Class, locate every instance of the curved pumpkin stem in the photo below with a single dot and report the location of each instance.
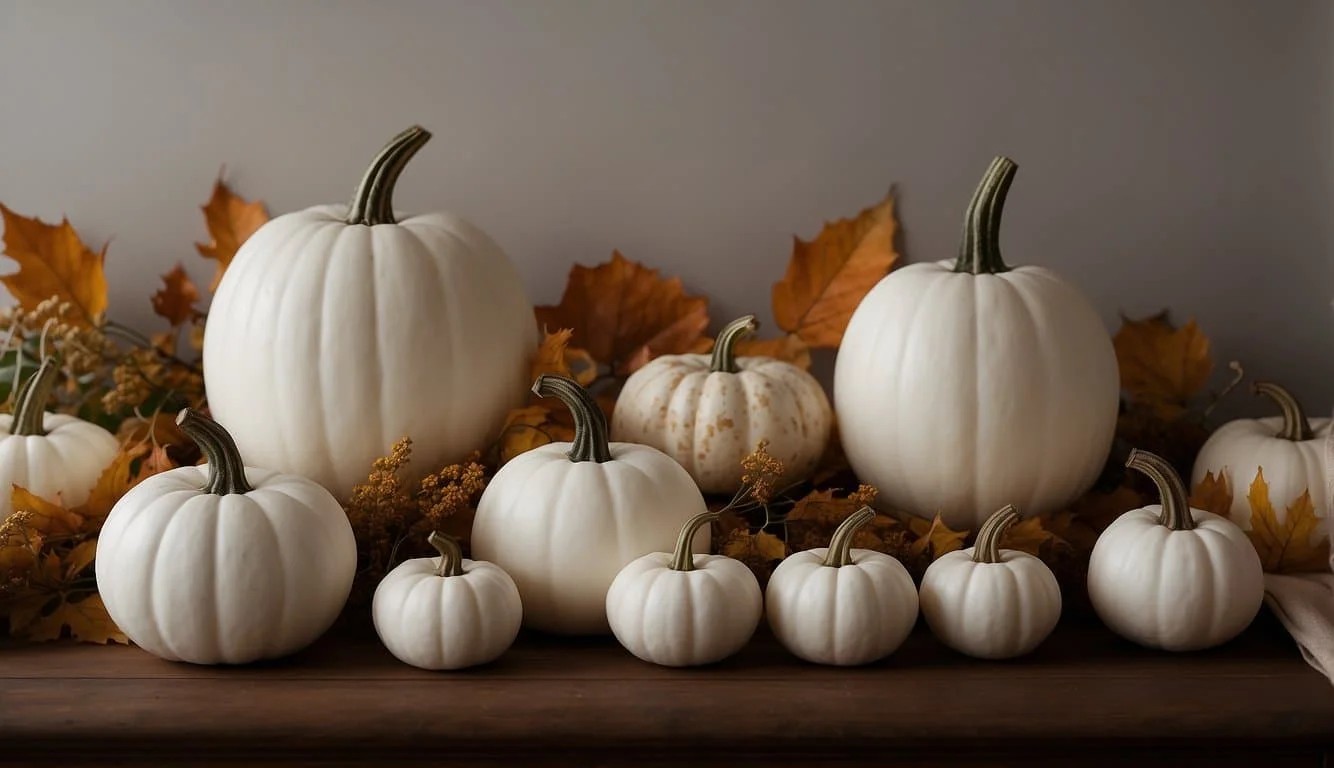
(1172, 492)
(1296, 426)
(31, 399)
(724, 354)
(839, 553)
(226, 471)
(987, 547)
(451, 554)
(590, 423)
(979, 251)
(373, 202)
(683, 559)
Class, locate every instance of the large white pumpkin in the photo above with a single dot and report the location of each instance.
(338, 330)
(709, 411)
(1289, 448)
(54, 456)
(965, 385)
(224, 563)
(564, 518)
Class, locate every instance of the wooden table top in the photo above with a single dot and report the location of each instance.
(1084, 695)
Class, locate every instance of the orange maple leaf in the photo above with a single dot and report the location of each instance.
(175, 300)
(231, 220)
(624, 314)
(790, 348)
(934, 536)
(1030, 535)
(1213, 494)
(1286, 543)
(46, 613)
(1162, 366)
(555, 355)
(532, 426)
(53, 261)
(828, 276)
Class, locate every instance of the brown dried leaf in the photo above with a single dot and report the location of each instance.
(624, 314)
(1162, 366)
(45, 614)
(1290, 546)
(231, 220)
(53, 261)
(1030, 535)
(532, 426)
(828, 276)
(1212, 494)
(934, 537)
(554, 355)
(175, 300)
(761, 552)
(789, 349)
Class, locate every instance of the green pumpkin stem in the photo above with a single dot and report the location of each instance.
(1171, 491)
(1296, 427)
(590, 423)
(987, 547)
(683, 558)
(839, 553)
(226, 471)
(31, 399)
(373, 202)
(724, 349)
(979, 251)
(451, 554)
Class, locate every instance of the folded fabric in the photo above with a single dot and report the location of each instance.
(1305, 605)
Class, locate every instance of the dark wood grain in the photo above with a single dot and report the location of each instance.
(1085, 695)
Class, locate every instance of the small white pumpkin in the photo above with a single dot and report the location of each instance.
(680, 609)
(709, 411)
(224, 563)
(989, 602)
(340, 328)
(1289, 449)
(564, 518)
(56, 457)
(841, 606)
(447, 612)
(1171, 577)
(965, 385)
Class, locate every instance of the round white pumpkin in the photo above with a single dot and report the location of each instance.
(223, 563)
(51, 455)
(709, 411)
(1171, 577)
(841, 606)
(564, 518)
(447, 612)
(1288, 448)
(679, 609)
(989, 602)
(337, 330)
(964, 385)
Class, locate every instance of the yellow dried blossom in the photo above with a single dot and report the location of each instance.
(760, 470)
(864, 496)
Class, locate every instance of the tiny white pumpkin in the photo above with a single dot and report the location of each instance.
(1288, 448)
(447, 612)
(967, 384)
(1171, 577)
(224, 563)
(564, 518)
(680, 609)
(989, 602)
(841, 606)
(51, 455)
(709, 411)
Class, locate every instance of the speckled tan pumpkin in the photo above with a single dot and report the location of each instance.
(709, 411)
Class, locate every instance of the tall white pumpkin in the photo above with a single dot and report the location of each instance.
(965, 385)
(339, 329)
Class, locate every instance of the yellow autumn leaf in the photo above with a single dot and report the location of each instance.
(1290, 544)
(532, 426)
(231, 220)
(934, 536)
(828, 276)
(45, 614)
(1162, 366)
(1212, 494)
(555, 355)
(53, 261)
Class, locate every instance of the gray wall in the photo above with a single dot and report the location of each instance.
(1172, 153)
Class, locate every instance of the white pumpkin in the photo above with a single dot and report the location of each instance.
(51, 455)
(841, 606)
(1171, 577)
(337, 330)
(1288, 448)
(709, 411)
(224, 563)
(447, 612)
(680, 609)
(564, 518)
(989, 602)
(964, 385)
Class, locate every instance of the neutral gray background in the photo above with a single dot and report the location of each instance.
(1172, 153)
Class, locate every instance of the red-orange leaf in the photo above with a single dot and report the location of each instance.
(175, 300)
(231, 220)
